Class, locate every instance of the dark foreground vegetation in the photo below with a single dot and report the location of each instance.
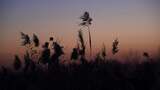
(110, 75)
(45, 70)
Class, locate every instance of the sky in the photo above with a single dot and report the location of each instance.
(134, 22)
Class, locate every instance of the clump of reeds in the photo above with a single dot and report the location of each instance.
(17, 63)
(45, 56)
(30, 44)
(86, 21)
(115, 46)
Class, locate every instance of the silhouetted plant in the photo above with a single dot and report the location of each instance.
(45, 57)
(58, 52)
(27, 61)
(51, 39)
(17, 63)
(26, 39)
(75, 54)
(30, 44)
(35, 40)
(101, 56)
(46, 45)
(115, 46)
(58, 49)
(81, 39)
(86, 21)
(146, 55)
(104, 52)
(111, 75)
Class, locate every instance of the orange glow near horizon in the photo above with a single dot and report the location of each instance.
(134, 23)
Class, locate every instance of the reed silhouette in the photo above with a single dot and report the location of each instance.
(45, 57)
(75, 54)
(42, 70)
(115, 46)
(86, 22)
(17, 63)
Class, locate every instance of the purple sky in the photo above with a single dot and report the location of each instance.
(134, 22)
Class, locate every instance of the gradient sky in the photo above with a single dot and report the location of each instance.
(134, 22)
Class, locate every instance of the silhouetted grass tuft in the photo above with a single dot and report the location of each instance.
(46, 70)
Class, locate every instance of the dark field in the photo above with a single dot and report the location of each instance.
(110, 75)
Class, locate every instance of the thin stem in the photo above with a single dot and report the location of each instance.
(90, 41)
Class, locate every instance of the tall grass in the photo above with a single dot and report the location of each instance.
(115, 46)
(86, 21)
(82, 43)
(96, 75)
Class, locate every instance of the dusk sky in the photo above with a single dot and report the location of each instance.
(134, 22)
